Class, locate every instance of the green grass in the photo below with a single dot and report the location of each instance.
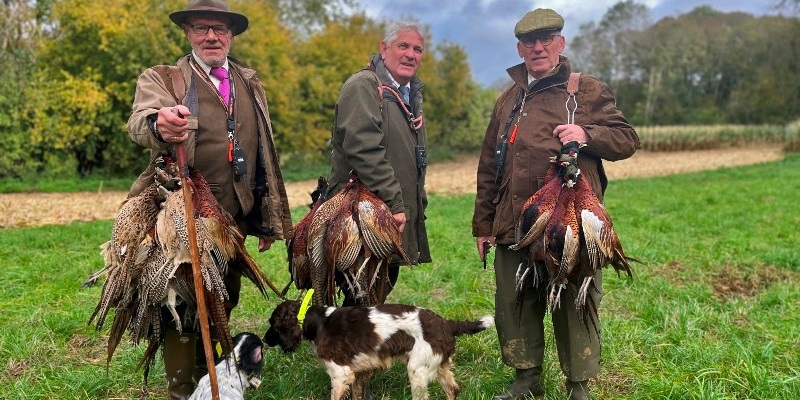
(710, 314)
(56, 185)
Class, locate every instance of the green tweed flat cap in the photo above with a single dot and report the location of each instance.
(540, 19)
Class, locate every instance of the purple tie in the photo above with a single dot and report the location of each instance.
(224, 83)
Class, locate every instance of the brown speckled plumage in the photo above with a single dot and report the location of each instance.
(149, 264)
(352, 234)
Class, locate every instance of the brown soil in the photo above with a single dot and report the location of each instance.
(456, 177)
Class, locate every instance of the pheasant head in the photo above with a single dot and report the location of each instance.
(568, 164)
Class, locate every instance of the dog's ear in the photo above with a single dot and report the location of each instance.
(284, 330)
(248, 352)
(314, 320)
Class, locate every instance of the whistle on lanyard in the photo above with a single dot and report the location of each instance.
(235, 152)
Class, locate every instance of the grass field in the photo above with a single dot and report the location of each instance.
(710, 314)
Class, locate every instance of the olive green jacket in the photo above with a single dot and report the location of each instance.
(499, 202)
(270, 204)
(372, 138)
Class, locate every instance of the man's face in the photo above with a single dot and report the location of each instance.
(403, 56)
(213, 46)
(541, 58)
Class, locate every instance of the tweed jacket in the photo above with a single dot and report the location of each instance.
(266, 207)
(372, 137)
(498, 203)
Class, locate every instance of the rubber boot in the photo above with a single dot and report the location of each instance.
(578, 390)
(201, 367)
(179, 363)
(527, 385)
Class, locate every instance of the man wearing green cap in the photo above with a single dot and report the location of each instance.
(530, 121)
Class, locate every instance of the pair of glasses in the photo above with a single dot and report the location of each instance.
(529, 43)
(203, 29)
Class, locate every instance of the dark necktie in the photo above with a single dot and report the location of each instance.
(224, 83)
(404, 91)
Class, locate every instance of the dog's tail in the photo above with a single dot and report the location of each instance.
(471, 327)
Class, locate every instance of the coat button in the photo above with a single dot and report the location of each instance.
(516, 197)
(516, 154)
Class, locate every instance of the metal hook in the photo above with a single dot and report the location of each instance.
(571, 113)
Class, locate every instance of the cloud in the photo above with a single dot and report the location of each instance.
(484, 28)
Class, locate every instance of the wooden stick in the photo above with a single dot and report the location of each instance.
(180, 152)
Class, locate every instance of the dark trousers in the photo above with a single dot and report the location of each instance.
(521, 336)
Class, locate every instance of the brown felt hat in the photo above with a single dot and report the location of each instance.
(210, 8)
(540, 19)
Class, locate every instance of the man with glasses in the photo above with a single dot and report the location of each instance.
(530, 121)
(223, 120)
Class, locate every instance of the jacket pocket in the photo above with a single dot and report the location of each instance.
(215, 187)
(502, 205)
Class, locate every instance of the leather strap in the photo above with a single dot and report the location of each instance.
(572, 84)
(173, 79)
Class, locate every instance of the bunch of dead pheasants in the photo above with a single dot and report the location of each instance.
(148, 264)
(350, 236)
(567, 235)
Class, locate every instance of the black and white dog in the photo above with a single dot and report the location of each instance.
(234, 372)
(354, 342)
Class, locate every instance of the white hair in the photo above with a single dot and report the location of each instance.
(394, 30)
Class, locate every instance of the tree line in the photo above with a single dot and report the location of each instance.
(68, 71)
(702, 67)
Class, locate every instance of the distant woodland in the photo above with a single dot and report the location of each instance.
(68, 71)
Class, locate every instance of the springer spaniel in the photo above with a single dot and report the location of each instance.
(234, 370)
(354, 342)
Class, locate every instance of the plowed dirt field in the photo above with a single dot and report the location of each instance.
(457, 177)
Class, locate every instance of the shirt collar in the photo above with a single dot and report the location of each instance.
(397, 85)
(206, 68)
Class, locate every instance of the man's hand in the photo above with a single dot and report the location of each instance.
(400, 220)
(570, 133)
(172, 124)
(264, 244)
(485, 243)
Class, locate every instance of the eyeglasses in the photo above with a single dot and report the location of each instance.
(203, 29)
(529, 43)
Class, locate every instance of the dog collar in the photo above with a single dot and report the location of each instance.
(301, 315)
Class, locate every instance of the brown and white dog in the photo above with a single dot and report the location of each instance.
(354, 342)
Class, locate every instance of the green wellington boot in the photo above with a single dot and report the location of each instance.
(527, 385)
(179, 361)
(577, 390)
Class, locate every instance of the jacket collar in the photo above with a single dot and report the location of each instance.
(379, 68)
(519, 74)
(232, 64)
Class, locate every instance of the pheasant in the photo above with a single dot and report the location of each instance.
(130, 248)
(157, 271)
(352, 234)
(297, 248)
(567, 234)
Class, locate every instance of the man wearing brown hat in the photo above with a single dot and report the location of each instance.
(531, 123)
(221, 115)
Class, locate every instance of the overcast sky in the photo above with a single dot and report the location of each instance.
(485, 28)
